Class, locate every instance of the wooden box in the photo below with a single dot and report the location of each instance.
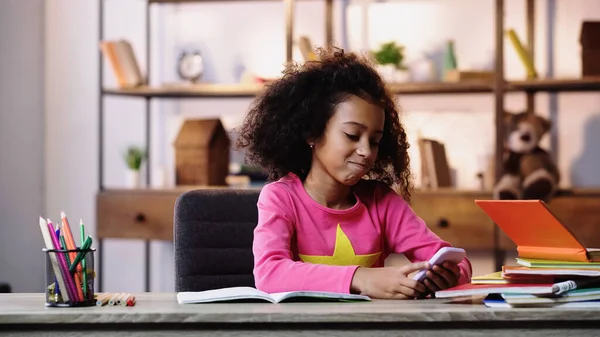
(590, 48)
(202, 153)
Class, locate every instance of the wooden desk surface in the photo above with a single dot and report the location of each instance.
(161, 312)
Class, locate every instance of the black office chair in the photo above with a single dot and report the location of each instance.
(213, 232)
(5, 288)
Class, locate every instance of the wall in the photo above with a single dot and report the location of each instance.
(21, 143)
(258, 45)
(71, 111)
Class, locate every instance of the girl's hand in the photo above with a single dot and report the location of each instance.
(442, 277)
(389, 282)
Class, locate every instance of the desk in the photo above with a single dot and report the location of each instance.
(160, 314)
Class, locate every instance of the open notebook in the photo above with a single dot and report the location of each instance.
(249, 293)
(537, 233)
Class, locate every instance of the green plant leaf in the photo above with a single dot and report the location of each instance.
(134, 156)
(390, 53)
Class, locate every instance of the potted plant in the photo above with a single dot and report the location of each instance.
(390, 58)
(134, 156)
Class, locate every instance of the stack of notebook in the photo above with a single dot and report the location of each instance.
(553, 268)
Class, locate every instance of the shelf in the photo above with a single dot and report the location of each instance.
(250, 90)
(196, 90)
(189, 1)
(546, 85)
(556, 85)
(441, 87)
(176, 190)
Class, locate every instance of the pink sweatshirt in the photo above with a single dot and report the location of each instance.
(302, 245)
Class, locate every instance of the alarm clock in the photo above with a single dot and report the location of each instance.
(190, 66)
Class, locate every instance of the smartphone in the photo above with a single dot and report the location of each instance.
(451, 254)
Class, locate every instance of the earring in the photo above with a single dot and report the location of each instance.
(312, 145)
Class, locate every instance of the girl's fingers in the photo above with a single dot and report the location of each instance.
(410, 292)
(398, 296)
(453, 268)
(437, 280)
(431, 286)
(413, 267)
(445, 274)
(413, 284)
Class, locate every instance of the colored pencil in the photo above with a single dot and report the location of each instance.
(82, 237)
(56, 231)
(81, 255)
(66, 231)
(70, 245)
(53, 259)
(113, 299)
(69, 283)
(102, 299)
(129, 299)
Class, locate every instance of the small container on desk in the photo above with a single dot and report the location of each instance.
(69, 277)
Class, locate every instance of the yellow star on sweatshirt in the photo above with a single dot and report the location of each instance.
(343, 254)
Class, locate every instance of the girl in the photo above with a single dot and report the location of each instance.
(329, 135)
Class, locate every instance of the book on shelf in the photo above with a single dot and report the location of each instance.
(253, 294)
(123, 62)
(435, 171)
(537, 232)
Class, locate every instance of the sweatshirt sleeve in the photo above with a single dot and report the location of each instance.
(408, 234)
(275, 269)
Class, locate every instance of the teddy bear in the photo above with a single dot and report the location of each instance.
(528, 170)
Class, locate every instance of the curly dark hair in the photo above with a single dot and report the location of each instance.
(297, 106)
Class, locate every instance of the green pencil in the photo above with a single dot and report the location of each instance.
(82, 230)
(64, 246)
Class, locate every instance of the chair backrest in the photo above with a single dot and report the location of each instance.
(5, 288)
(213, 232)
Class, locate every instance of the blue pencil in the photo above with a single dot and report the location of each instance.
(57, 232)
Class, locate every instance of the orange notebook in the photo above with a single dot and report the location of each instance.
(537, 233)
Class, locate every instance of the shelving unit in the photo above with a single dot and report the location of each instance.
(149, 93)
(148, 226)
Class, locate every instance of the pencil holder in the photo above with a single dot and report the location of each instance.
(70, 277)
